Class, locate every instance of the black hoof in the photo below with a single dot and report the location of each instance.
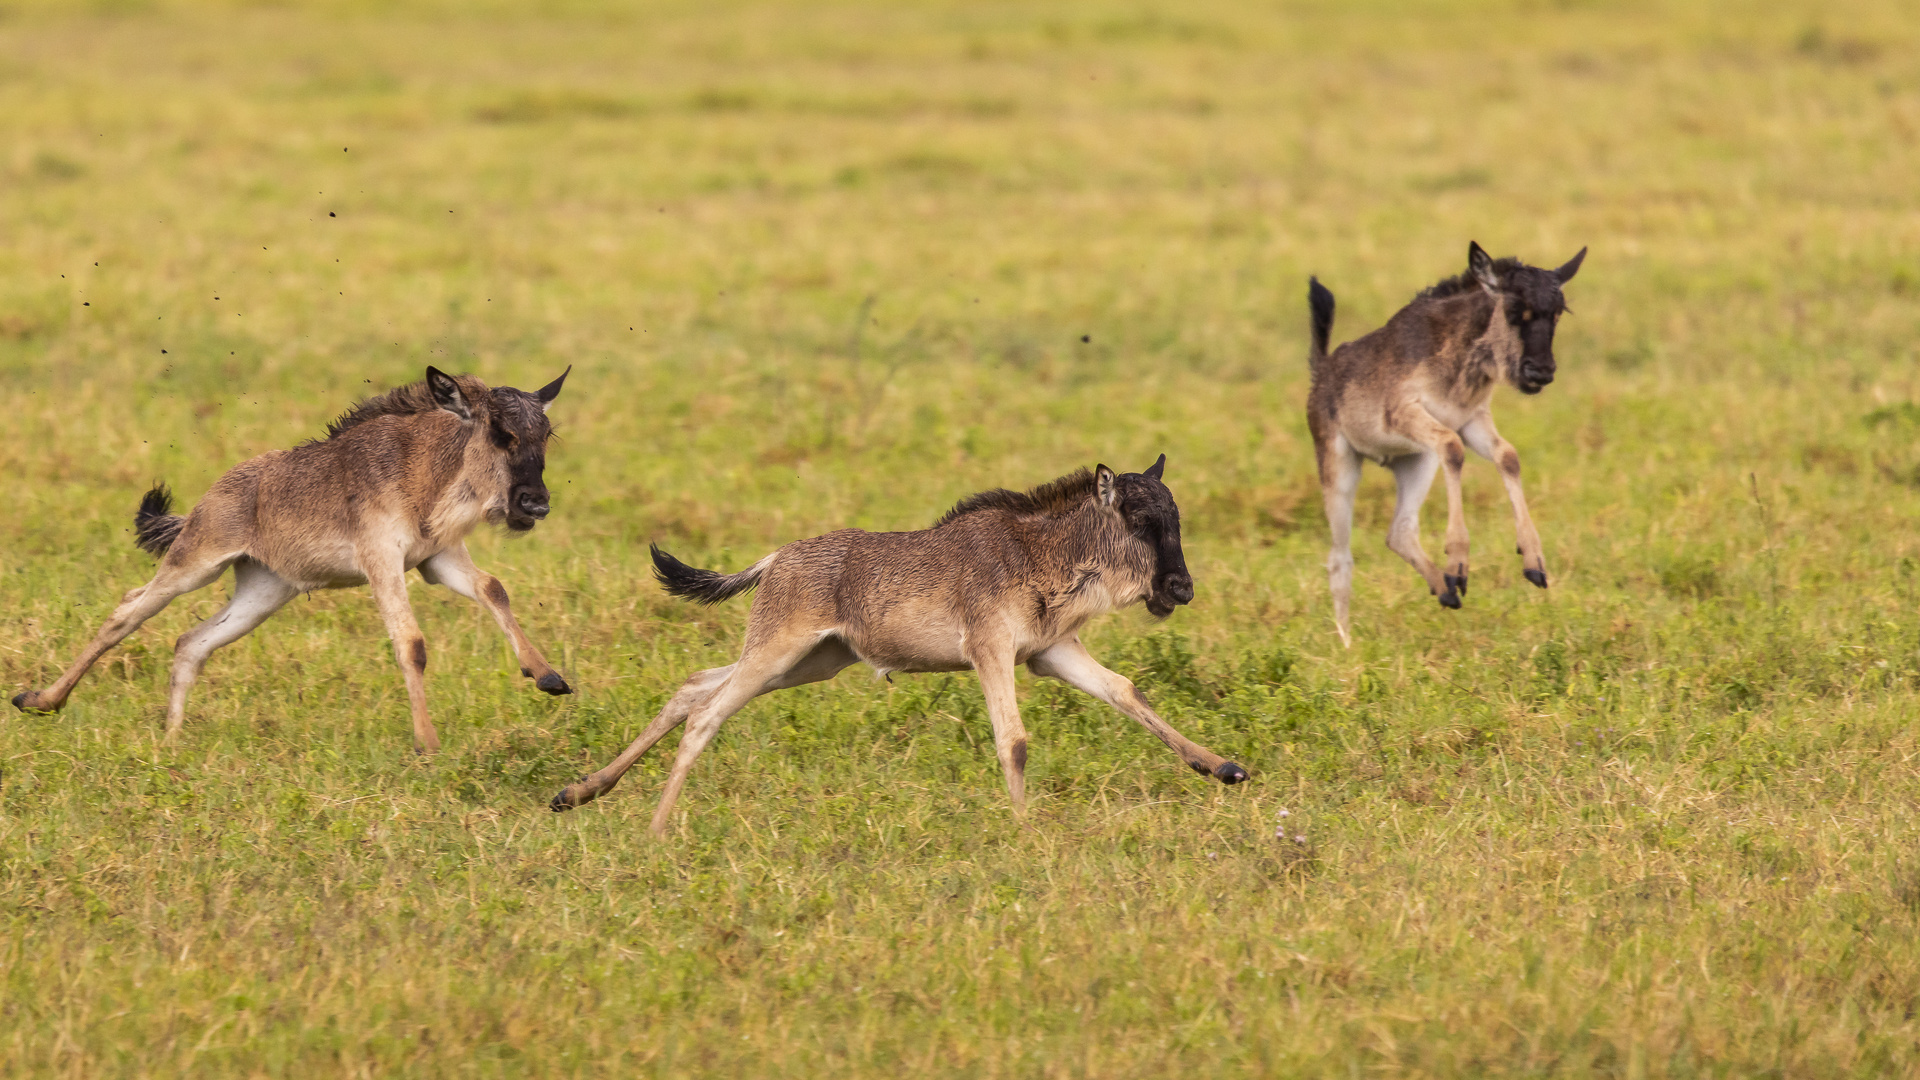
(552, 683)
(1229, 773)
(1538, 577)
(1450, 599)
(19, 700)
(560, 804)
(1457, 584)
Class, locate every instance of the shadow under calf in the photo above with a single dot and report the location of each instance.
(1005, 578)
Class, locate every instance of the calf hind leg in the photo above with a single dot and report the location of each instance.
(180, 572)
(257, 593)
(823, 661)
(696, 690)
(1339, 480)
(1413, 476)
(773, 666)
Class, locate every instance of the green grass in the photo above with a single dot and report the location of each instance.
(819, 266)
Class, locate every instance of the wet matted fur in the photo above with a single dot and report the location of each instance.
(396, 485)
(1004, 578)
(1416, 393)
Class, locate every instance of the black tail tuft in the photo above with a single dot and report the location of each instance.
(1320, 303)
(702, 586)
(155, 525)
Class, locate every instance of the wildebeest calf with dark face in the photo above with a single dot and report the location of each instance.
(1416, 393)
(1003, 579)
(396, 485)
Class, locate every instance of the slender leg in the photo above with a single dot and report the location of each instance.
(1070, 662)
(1413, 475)
(1481, 436)
(389, 583)
(825, 661)
(995, 669)
(454, 568)
(772, 666)
(257, 593)
(692, 693)
(1339, 479)
(180, 572)
(1445, 450)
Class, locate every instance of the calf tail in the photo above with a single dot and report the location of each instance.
(703, 586)
(1320, 303)
(155, 525)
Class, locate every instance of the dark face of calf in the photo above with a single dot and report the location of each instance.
(518, 428)
(1152, 517)
(1534, 305)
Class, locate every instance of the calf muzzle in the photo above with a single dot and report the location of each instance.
(530, 506)
(1180, 589)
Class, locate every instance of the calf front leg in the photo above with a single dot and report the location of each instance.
(454, 568)
(995, 669)
(1070, 662)
(1481, 436)
(389, 582)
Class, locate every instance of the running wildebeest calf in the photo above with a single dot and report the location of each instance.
(1415, 394)
(1004, 579)
(396, 485)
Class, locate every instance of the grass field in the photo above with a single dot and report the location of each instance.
(820, 265)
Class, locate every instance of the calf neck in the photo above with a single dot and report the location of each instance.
(396, 485)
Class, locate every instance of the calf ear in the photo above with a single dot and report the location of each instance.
(1104, 487)
(547, 393)
(1480, 264)
(1154, 470)
(1565, 273)
(446, 393)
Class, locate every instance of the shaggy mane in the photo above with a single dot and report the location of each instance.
(409, 400)
(1466, 282)
(1048, 500)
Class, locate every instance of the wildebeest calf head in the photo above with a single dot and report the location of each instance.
(515, 425)
(1151, 516)
(1533, 308)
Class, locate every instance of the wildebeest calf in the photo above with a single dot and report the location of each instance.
(1415, 394)
(396, 485)
(1004, 579)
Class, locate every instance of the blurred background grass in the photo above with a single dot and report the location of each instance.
(828, 265)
